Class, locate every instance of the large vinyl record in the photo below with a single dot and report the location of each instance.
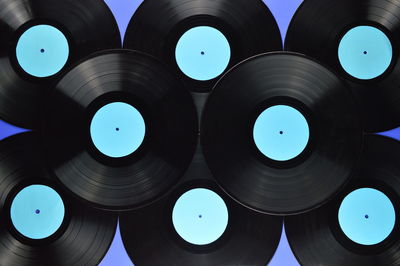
(360, 40)
(120, 129)
(39, 39)
(201, 39)
(40, 223)
(361, 226)
(198, 224)
(281, 133)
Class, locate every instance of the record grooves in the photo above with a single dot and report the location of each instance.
(248, 26)
(202, 136)
(85, 233)
(302, 91)
(317, 238)
(360, 40)
(150, 236)
(88, 128)
(39, 39)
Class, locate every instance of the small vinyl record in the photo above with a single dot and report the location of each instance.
(202, 39)
(120, 129)
(199, 224)
(361, 226)
(360, 40)
(39, 40)
(40, 223)
(281, 133)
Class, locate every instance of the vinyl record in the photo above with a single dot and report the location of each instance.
(120, 129)
(360, 226)
(201, 39)
(281, 133)
(39, 39)
(198, 224)
(360, 40)
(40, 223)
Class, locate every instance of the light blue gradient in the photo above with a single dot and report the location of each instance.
(283, 255)
(116, 255)
(281, 133)
(367, 216)
(42, 51)
(283, 12)
(394, 134)
(365, 52)
(37, 211)
(203, 53)
(123, 11)
(7, 130)
(200, 216)
(117, 129)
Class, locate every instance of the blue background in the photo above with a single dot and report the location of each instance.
(123, 11)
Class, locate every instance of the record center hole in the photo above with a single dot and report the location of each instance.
(366, 216)
(281, 132)
(202, 53)
(117, 129)
(200, 216)
(37, 211)
(42, 51)
(365, 52)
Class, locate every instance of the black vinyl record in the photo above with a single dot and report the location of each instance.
(318, 238)
(91, 152)
(39, 39)
(321, 115)
(82, 238)
(151, 237)
(360, 40)
(247, 26)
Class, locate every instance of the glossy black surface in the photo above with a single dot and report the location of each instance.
(270, 186)
(21, 95)
(171, 129)
(157, 26)
(251, 238)
(316, 30)
(85, 234)
(316, 238)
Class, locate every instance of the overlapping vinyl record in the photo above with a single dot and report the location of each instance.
(361, 225)
(360, 40)
(40, 223)
(281, 133)
(39, 39)
(120, 129)
(198, 224)
(201, 39)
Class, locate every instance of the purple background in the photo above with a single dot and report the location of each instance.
(123, 11)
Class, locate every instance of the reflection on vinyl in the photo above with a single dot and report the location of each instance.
(39, 39)
(42, 224)
(199, 224)
(360, 40)
(202, 39)
(361, 225)
(120, 129)
(276, 137)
